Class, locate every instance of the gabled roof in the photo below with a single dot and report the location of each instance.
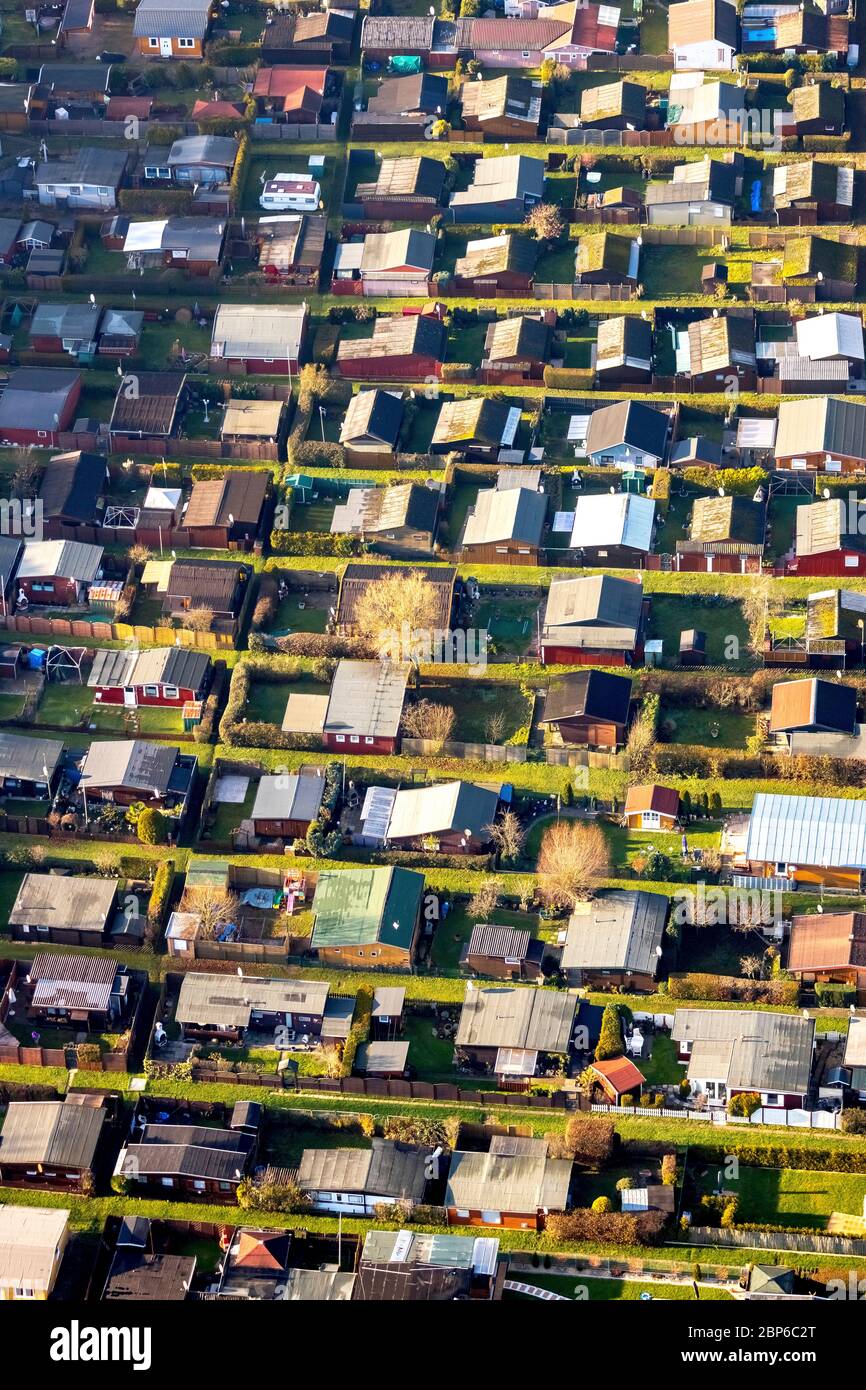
(821, 337)
(407, 176)
(595, 611)
(422, 91)
(152, 408)
(238, 499)
(292, 796)
(717, 344)
(397, 335)
(538, 1020)
(609, 251)
(76, 560)
(613, 99)
(375, 415)
(383, 510)
(652, 797)
(227, 1001)
(820, 706)
(621, 1074)
(258, 330)
(72, 485)
(512, 96)
(359, 907)
(623, 340)
(640, 427)
(366, 698)
(818, 101)
(190, 1151)
(131, 763)
(827, 831)
(28, 758)
(613, 519)
(748, 1049)
(217, 150)
(180, 666)
(828, 941)
(519, 1183)
(494, 255)
(702, 21)
(588, 694)
(37, 396)
(500, 178)
(522, 337)
(822, 528)
(822, 423)
(387, 1169)
(51, 1132)
(442, 808)
(30, 1238)
(516, 514)
(619, 929)
(181, 19)
(476, 420)
(720, 519)
(411, 247)
(359, 574)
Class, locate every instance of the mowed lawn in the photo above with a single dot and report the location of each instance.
(790, 1197)
(608, 1290)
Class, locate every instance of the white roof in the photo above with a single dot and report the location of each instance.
(823, 831)
(855, 1047)
(376, 811)
(29, 1241)
(755, 432)
(145, 236)
(621, 518)
(831, 335)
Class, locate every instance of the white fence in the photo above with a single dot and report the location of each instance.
(784, 1119)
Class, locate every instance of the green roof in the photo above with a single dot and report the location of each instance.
(358, 907)
(604, 251)
(205, 873)
(809, 255)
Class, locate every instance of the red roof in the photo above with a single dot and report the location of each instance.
(665, 800)
(589, 33)
(119, 108)
(217, 110)
(283, 82)
(620, 1074)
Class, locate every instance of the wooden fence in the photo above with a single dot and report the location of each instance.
(388, 1090)
(322, 134)
(777, 1240)
(564, 291)
(69, 628)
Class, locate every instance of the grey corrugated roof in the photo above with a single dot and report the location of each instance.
(184, 19)
(131, 763)
(191, 1151)
(289, 796)
(825, 423)
(60, 560)
(65, 321)
(228, 1001)
(366, 698)
(37, 395)
(386, 1169)
(443, 807)
(595, 604)
(749, 1049)
(535, 1019)
(204, 149)
(388, 1001)
(823, 831)
(180, 666)
(51, 1132)
(27, 758)
(619, 929)
(503, 1183)
(514, 514)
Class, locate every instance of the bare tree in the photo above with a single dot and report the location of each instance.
(26, 474)
(214, 906)
(640, 746)
(574, 856)
(546, 222)
(756, 611)
(494, 728)
(750, 966)
(485, 898)
(507, 835)
(400, 605)
(197, 619)
(429, 721)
